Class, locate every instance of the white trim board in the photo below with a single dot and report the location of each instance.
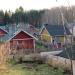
(23, 39)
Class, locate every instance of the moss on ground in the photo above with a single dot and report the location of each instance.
(32, 69)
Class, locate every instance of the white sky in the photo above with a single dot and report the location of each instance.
(33, 4)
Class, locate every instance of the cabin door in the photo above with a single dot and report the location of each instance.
(19, 44)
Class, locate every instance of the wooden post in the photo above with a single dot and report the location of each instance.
(34, 44)
(71, 52)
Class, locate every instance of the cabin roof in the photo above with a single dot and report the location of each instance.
(67, 53)
(17, 32)
(57, 30)
(3, 30)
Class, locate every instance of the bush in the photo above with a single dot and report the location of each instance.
(39, 46)
(11, 61)
(56, 65)
(33, 58)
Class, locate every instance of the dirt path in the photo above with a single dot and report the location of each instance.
(50, 53)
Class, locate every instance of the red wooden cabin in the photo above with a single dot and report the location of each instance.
(2, 32)
(22, 40)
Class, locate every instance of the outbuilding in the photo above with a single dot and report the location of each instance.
(22, 40)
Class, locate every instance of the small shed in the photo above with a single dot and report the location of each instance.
(22, 40)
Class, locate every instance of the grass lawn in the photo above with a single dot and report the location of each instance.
(32, 69)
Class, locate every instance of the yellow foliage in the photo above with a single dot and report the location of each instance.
(4, 52)
(45, 36)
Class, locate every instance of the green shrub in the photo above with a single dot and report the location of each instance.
(11, 61)
(39, 46)
(31, 58)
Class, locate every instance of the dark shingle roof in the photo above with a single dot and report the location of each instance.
(68, 53)
(57, 30)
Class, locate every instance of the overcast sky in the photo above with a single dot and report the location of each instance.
(33, 4)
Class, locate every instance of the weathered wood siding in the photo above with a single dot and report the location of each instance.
(22, 44)
(22, 41)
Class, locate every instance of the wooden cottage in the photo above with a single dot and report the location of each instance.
(2, 34)
(22, 40)
(55, 34)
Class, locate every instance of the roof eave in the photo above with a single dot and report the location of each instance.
(24, 32)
